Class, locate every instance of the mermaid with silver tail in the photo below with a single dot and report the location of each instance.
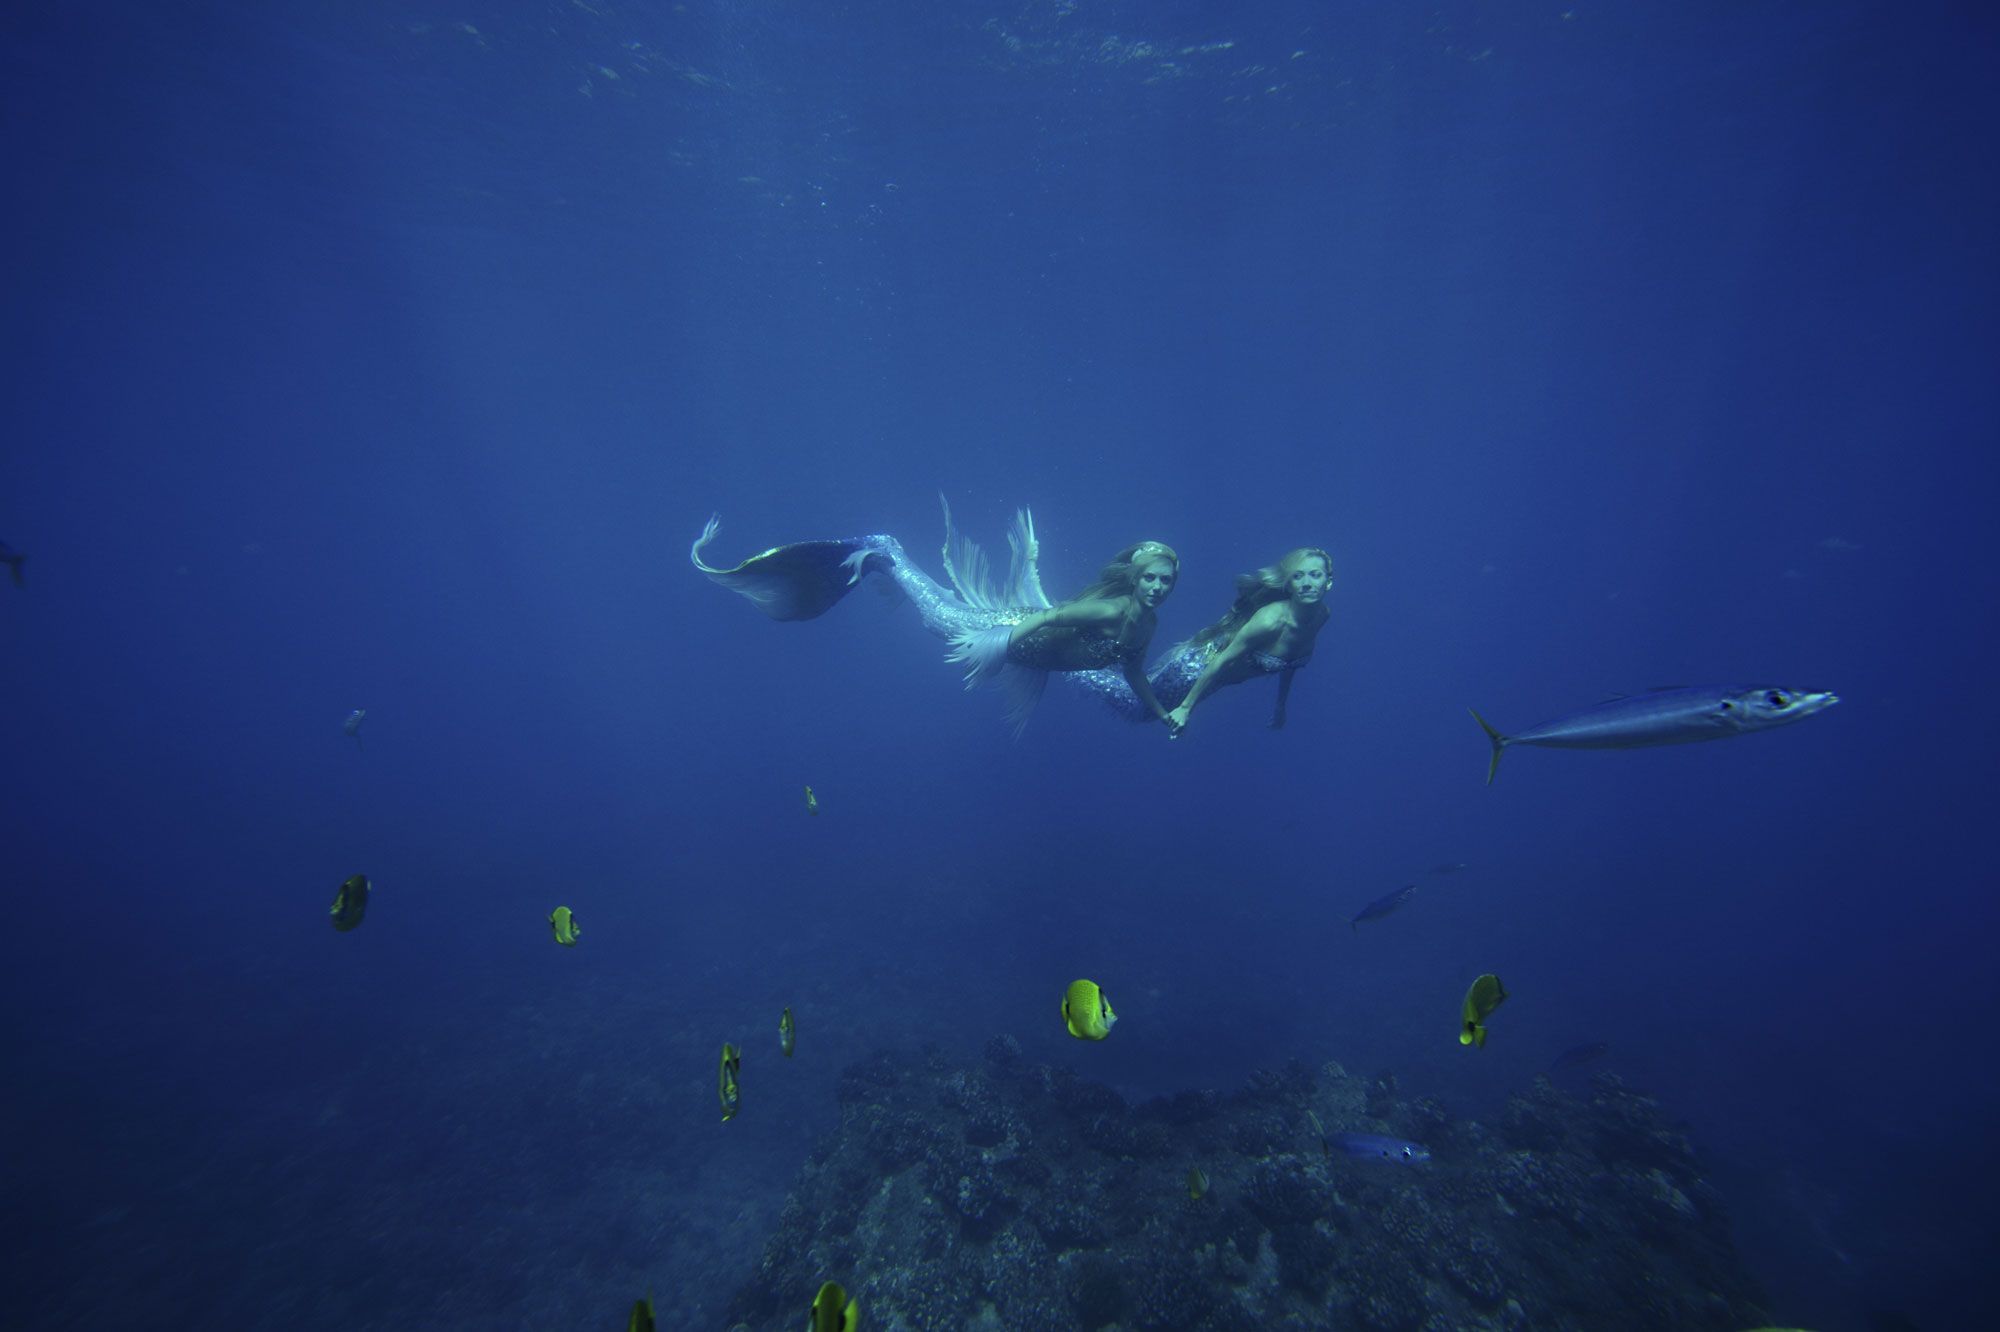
(1007, 633)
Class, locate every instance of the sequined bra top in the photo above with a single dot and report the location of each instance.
(1271, 663)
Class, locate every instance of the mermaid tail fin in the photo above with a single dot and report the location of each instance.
(984, 652)
(971, 574)
(1024, 574)
(795, 582)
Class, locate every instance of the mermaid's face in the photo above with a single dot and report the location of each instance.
(1308, 581)
(1154, 579)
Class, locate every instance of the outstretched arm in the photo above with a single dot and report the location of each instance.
(1255, 634)
(1284, 692)
(1071, 614)
(1135, 675)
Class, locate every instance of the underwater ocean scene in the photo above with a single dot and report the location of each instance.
(436, 903)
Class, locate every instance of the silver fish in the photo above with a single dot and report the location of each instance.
(1676, 716)
(352, 725)
(1377, 1147)
(1383, 905)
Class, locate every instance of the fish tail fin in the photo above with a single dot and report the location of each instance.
(1500, 742)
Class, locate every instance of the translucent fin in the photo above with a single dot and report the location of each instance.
(1024, 577)
(984, 654)
(707, 535)
(1024, 690)
(856, 565)
(971, 573)
(966, 566)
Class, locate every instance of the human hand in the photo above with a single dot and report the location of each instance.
(1176, 722)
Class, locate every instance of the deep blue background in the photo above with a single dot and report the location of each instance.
(364, 355)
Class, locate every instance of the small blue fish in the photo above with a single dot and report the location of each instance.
(352, 725)
(13, 559)
(1377, 1147)
(1383, 905)
(1578, 1055)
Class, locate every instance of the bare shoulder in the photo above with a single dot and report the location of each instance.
(1093, 610)
(1269, 619)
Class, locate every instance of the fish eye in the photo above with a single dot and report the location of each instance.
(1728, 706)
(1776, 699)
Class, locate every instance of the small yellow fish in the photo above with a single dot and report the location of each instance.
(350, 903)
(725, 1080)
(1087, 1012)
(1197, 1183)
(787, 1033)
(1319, 1131)
(812, 801)
(562, 924)
(642, 1317)
(832, 1311)
(1485, 995)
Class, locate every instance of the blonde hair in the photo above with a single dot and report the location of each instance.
(1254, 591)
(1120, 578)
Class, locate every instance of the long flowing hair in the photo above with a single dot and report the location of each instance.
(1254, 591)
(1120, 578)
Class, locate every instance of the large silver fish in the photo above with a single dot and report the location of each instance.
(1676, 716)
(1377, 1147)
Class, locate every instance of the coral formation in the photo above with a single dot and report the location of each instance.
(1020, 1196)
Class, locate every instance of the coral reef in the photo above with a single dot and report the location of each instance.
(1021, 1196)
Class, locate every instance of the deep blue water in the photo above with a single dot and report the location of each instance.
(389, 356)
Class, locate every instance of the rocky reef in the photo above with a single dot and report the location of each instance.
(1023, 1197)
